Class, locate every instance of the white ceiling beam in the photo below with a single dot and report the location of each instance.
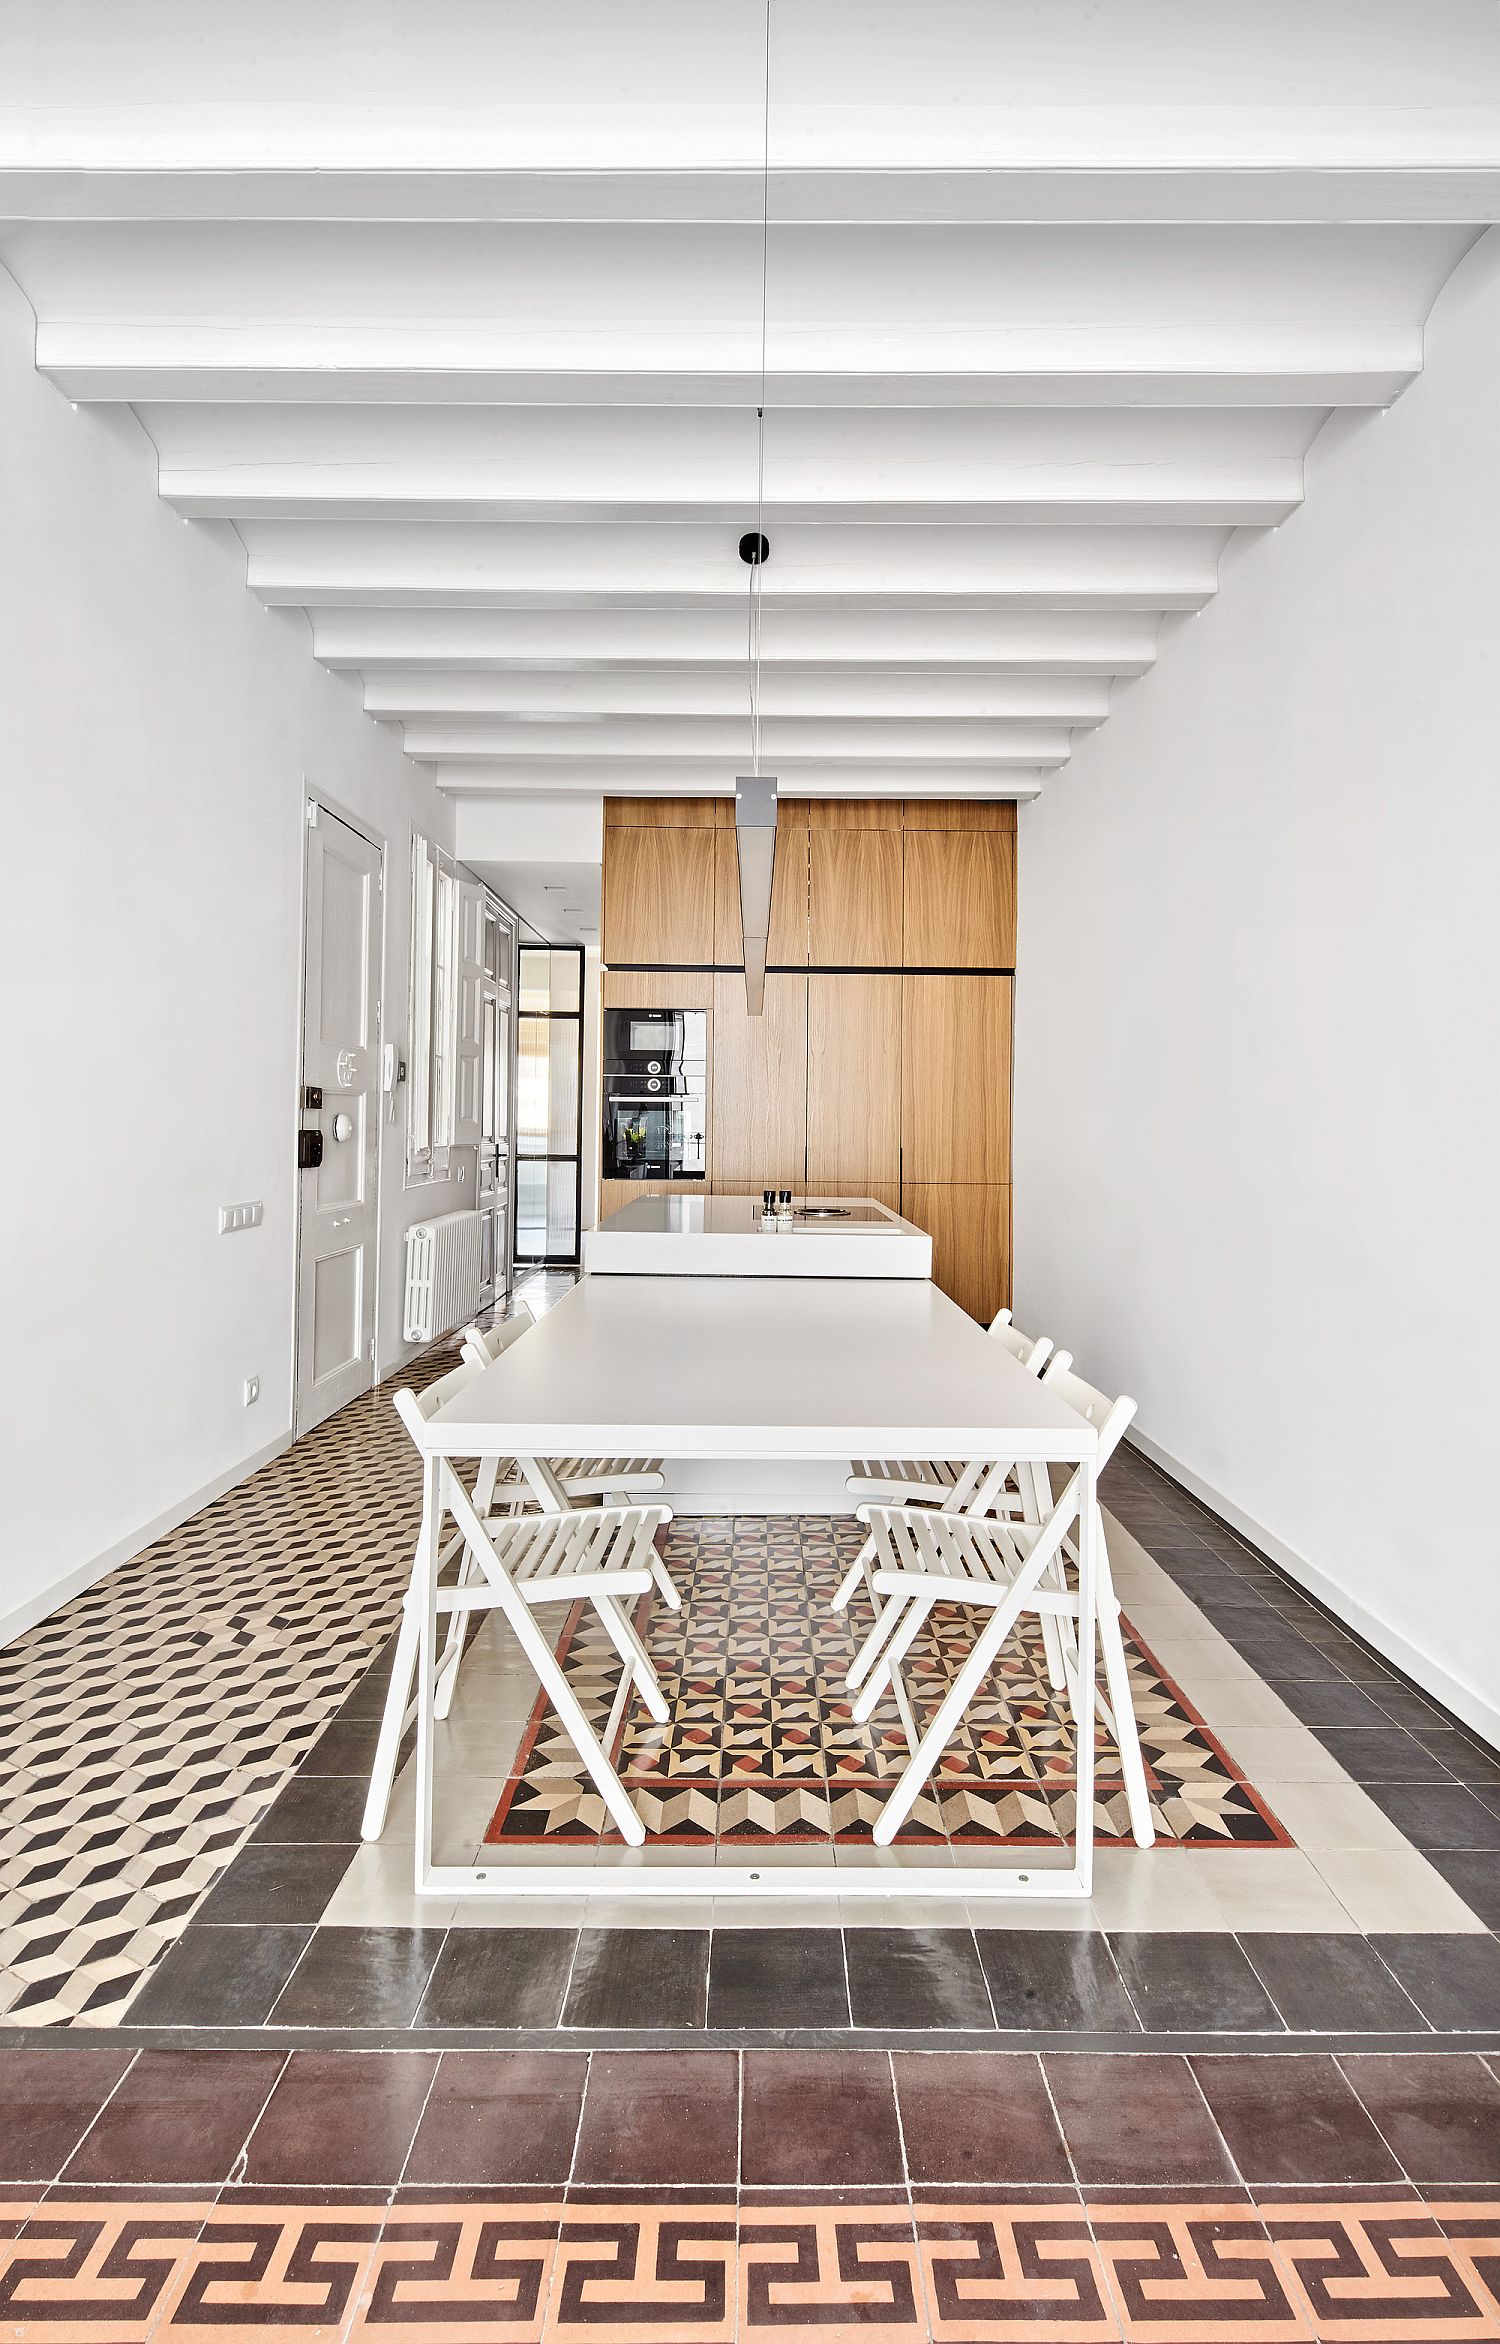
(292, 562)
(711, 777)
(665, 740)
(415, 694)
(606, 642)
(1352, 192)
(142, 366)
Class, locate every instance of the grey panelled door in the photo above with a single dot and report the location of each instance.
(340, 1038)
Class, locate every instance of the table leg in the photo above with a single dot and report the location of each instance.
(1088, 1662)
(425, 1591)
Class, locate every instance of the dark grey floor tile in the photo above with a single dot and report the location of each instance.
(1467, 1761)
(1438, 1815)
(1383, 1753)
(1055, 1978)
(777, 1978)
(639, 1978)
(345, 1746)
(1321, 1701)
(1193, 1982)
(359, 1978)
(1402, 1703)
(1330, 1985)
(1454, 1981)
(219, 1976)
(916, 1978)
(1473, 1874)
(1275, 1653)
(279, 1882)
(498, 1978)
(315, 1807)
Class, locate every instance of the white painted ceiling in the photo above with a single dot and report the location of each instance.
(462, 315)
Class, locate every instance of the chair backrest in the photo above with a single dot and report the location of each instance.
(482, 1346)
(1031, 1350)
(1108, 1417)
(418, 1408)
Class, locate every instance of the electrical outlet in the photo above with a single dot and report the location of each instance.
(252, 1390)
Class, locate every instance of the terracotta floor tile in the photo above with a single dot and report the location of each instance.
(819, 2118)
(653, 2116)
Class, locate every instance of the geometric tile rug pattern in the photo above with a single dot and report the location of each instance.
(146, 1726)
(761, 1747)
(533, 2266)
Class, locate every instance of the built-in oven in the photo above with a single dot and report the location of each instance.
(655, 1094)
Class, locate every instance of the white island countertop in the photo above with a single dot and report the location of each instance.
(722, 1237)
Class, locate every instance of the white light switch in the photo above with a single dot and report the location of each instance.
(232, 1217)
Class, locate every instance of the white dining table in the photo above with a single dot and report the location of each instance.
(754, 1368)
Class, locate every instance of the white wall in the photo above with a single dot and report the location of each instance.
(156, 726)
(1258, 1022)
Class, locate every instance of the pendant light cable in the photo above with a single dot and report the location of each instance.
(752, 647)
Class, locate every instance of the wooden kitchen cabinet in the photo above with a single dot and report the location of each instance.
(959, 899)
(955, 1078)
(854, 898)
(758, 1111)
(853, 1081)
(969, 1225)
(659, 896)
(786, 946)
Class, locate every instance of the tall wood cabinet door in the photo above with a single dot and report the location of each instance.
(970, 1230)
(955, 1078)
(659, 896)
(758, 1121)
(786, 946)
(853, 1079)
(959, 899)
(854, 899)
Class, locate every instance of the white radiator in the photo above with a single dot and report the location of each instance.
(442, 1275)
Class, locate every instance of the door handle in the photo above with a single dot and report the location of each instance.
(343, 1126)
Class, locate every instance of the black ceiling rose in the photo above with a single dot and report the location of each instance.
(754, 548)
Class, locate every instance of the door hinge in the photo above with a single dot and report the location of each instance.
(372, 1351)
(312, 813)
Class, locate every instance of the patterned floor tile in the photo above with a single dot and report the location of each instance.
(755, 1753)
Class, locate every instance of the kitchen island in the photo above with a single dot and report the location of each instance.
(724, 1237)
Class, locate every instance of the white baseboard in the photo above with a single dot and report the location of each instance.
(49, 1599)
(1464, 1701)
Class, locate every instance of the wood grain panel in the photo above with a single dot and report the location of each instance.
(853, 813)
(657, 989)
(955, 1078)
(854, 899)
(659, 896)
(853, 1080)
(787, 942)
(960, 814)
(970, 1231)
(959, 899)
(667, 813)
(885, 1192)
(758, 1117)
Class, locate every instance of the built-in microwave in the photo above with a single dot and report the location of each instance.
(655, 1120)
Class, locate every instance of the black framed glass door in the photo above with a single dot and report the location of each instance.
(549, 1104)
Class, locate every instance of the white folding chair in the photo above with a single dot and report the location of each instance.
(504, 1481)
(470, 1551)
(1001, 1566)
(982, 1486)
(937, 1481)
